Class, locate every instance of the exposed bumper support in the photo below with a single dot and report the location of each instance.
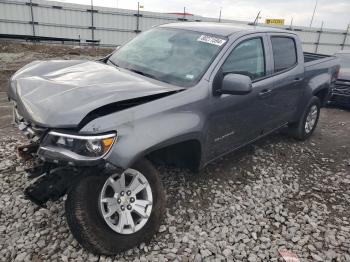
(54, 182)
(52, 185)
(27, 152)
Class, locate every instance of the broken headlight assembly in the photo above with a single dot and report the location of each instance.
(78, 147)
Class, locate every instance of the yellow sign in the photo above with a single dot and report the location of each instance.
(270, 21)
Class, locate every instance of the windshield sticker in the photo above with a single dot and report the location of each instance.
(211, 40)
(189, 76)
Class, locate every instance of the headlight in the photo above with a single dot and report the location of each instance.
(89, 147)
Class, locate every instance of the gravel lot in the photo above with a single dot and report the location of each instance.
(274, 195)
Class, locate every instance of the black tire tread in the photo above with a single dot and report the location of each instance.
(94, 239)
(296, 130)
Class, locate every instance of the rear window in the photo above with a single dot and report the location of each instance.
(284, 52)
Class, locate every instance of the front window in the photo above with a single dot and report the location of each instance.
(247, 59)
(174, 56)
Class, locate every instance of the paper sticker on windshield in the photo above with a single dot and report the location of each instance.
(189, 76)
(211, 40)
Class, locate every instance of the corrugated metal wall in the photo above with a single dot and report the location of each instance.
(111, 26)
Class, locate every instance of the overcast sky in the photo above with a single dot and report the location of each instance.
(334, 13)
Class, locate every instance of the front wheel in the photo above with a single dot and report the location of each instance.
(308, 121)
(108, 214)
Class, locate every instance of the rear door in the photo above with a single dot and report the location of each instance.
(287, 73)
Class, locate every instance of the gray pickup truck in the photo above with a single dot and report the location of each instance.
(178, 94)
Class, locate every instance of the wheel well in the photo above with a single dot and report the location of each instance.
(322, 95)
(184, 154)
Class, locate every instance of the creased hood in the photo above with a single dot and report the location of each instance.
(62, 93)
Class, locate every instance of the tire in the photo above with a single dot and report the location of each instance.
(298, 130)
(85, 220)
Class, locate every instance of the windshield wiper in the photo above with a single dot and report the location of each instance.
(143, 73)
(113, 63)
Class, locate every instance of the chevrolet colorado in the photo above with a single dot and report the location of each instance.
(182, 93)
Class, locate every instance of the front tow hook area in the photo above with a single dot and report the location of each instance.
(27, 152)
(51, 185)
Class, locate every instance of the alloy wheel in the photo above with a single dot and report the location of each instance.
(311, 119)
(126, 201)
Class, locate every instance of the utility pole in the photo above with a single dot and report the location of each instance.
(291, 23)
(184, 17)
(313, 14)
(220, 15)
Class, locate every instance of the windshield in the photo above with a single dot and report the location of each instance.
(344, 60)
(174, 56)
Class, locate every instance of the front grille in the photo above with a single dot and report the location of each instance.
(342, 83)
(340, 89)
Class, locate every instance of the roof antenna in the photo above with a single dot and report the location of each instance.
(256, 19)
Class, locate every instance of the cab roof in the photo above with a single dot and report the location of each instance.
(223, 29)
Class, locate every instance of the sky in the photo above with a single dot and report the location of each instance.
(334, 13)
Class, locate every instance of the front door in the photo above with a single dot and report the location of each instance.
(237, 119)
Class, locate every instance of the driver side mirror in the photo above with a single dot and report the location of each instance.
(235, 84)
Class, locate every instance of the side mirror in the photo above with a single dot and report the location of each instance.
(235, 84)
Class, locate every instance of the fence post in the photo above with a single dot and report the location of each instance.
(32, 17)
(138, 15)
(345, 37)
(319, 37)
(92, 22)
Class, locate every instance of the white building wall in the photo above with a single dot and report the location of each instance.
(116, 26)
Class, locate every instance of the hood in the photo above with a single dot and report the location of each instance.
(344, 74)
(61, 93)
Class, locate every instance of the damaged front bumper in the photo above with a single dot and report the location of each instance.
(55, 169)
(340, 94)
(32, 132)
(63, 148)
(53, 183)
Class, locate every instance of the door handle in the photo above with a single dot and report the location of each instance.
(297, 79)
(265, 93)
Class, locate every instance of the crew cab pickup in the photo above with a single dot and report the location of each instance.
(182, 93)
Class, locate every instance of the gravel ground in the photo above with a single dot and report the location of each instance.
(272, 196)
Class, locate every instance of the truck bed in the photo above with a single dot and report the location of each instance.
(316, 62)
(309, 57)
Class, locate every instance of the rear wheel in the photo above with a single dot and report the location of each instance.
(308, 121)
(108, 214)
